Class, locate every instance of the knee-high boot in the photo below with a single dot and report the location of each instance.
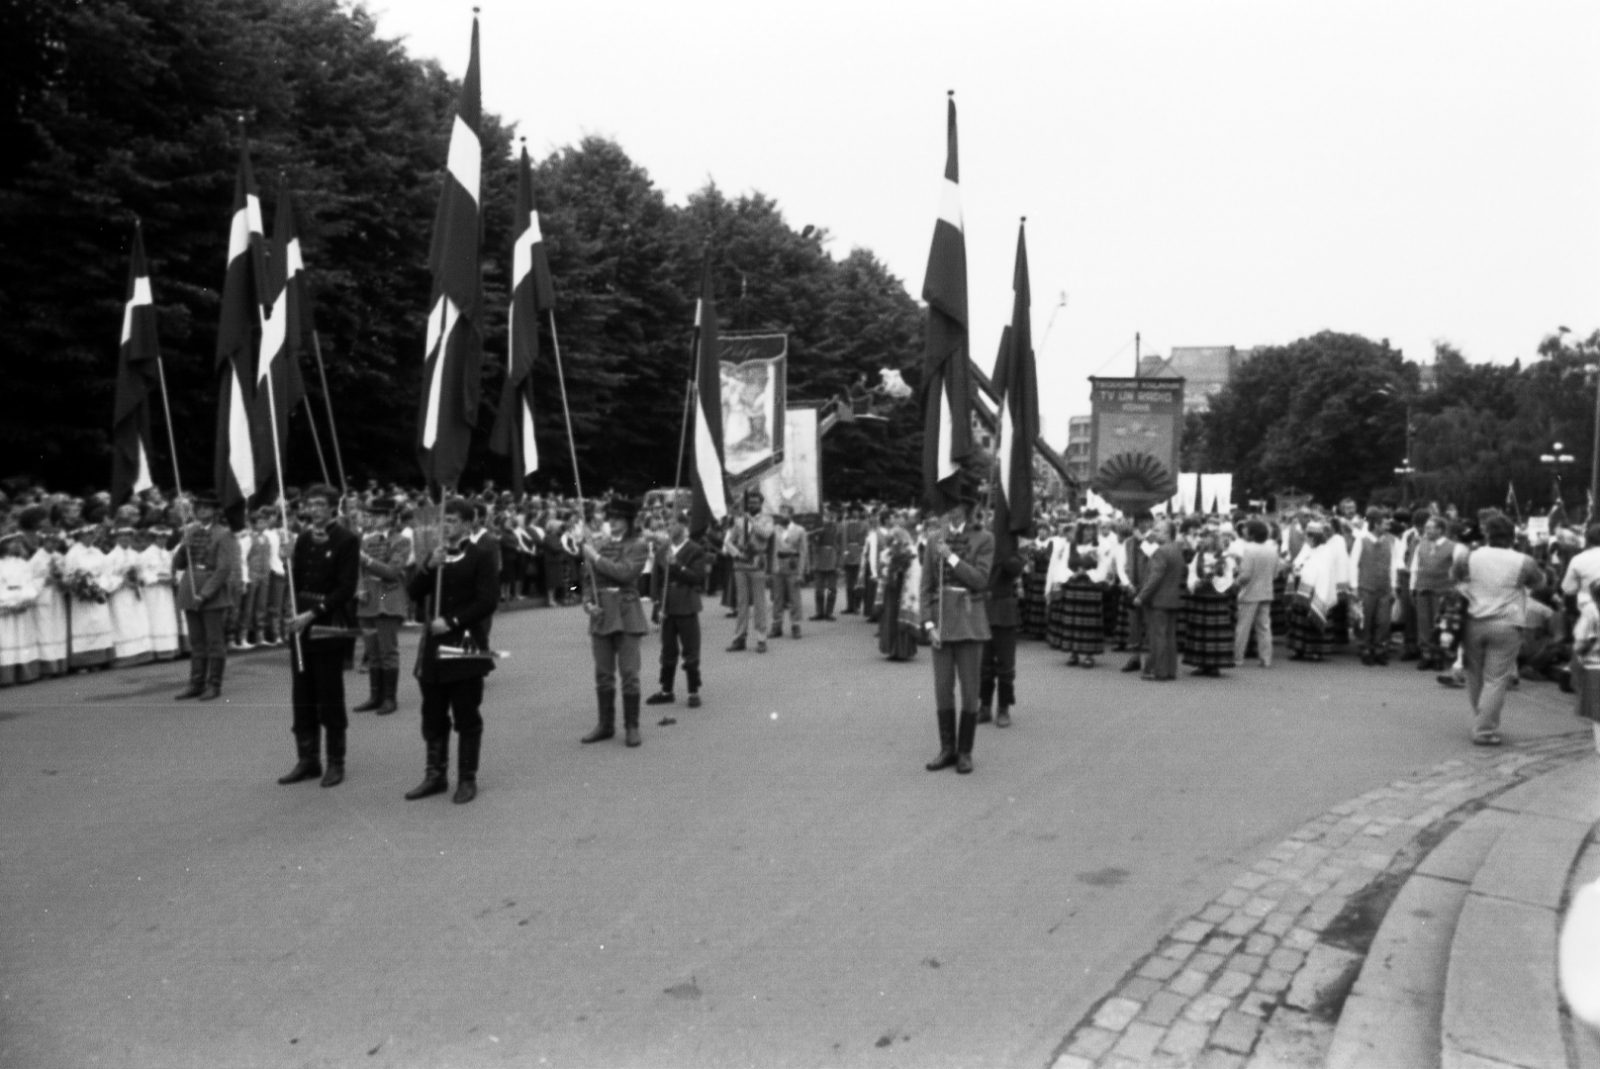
(374, 691)
(630, 719)
(197, 679)
(467, 748)
(309, 765)
(607, 727)
(388, 687)
(947, 741)
(335, 745)
(435, 778)
(214, 668)
(969, 728)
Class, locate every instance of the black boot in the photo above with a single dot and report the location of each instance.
(310, 765)
(197, 679)
(434, 778)
(335, 774)
(607, 728)
(467, 747)
(388, 685)
(832, 600)
(214, 668)
(1133, 665)
(630, 719)
(1002, 717)
(969, 728)
(374, 692)
(947, 741)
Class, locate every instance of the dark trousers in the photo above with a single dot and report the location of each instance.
(1377, 620)
(381, 635)
(680, 631)
(317, 686)
(953, 661)
(825, 592)
(869, 597)
(1162, 625)
(457, 701)
(999, 666)
(852, 593)
(1138, 628)
(615, 654)
(1408, 609)
(208, 633)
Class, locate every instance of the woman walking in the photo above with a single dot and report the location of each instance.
(1495, 580)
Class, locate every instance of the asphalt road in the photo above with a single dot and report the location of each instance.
(773, 881)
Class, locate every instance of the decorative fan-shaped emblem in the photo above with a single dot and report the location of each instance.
(1134, 481)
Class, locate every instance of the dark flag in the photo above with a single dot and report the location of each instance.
(532, 295)
(454, 354)
(946, 383)
(282, 327)
(1512, 508)
(710, 491)
(1016, 384)
(137, 375)
(239, 319)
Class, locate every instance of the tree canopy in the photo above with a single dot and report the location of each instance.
(130, 108)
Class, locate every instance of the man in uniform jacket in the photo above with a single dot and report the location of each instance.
(324, 573)
(382, 604)
(955, 585)
(853, 534)
(1161, 596)
(208, 556)
(678, 576)
(825, 563)
(999, 668)
(460, 582)
(615, 563)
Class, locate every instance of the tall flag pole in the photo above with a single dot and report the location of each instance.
(452, 360)
(1016, 384)
(946, 383)
(710, 498)
(279, 386)
(235, 465)
(138, 369)
(1512, 509)
(532, 292)
(327, 403)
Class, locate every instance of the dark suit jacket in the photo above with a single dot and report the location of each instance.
(680, 576)
(1003, 608)
(1163, 585)
(468, 596)
(327, 576)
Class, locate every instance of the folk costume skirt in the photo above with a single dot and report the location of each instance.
(1077, 619)
(1035, 613)
(1308, 636)
(1210, 618)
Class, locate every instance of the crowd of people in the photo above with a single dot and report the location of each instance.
(1482, 602)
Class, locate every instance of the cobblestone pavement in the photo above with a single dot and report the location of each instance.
(1258, 975)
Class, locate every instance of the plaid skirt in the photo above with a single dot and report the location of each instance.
(1077, 617)
(1280, 605)
(1208, 620)
(1035, 614)
(1307, 636)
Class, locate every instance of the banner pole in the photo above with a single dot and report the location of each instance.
(316, 440)
(283, 518)
(327, 401)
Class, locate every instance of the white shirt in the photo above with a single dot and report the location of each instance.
(1581, 574)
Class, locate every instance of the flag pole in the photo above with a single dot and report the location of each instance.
(283, 514)
(333, 431)
(316, 440)
(572, 447)
(166, 405)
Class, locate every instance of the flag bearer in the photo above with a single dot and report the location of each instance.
(616, 560)
(383, 605)
(955, 585)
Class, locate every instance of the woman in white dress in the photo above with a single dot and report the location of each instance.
(89, 587)
(50, 608)
(19, 644)
(155, 569)
(130, 621)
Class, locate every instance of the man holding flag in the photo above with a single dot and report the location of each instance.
(958, 557)
(1016, 384)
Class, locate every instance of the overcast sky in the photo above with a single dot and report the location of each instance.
(1205, 173)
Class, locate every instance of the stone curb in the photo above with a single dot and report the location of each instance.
(1258, 976)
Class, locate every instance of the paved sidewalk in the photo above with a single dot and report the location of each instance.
(1258, 976)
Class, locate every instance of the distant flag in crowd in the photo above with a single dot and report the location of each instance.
(1016, 385)
(242, 290)
(137, 375)
(454, 354)
(946, 383)
(1512, 509)
(710, 491)
(281, 331)
(532, 294)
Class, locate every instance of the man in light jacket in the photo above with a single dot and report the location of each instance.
(1259, 564)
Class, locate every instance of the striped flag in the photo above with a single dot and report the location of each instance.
(240, 318)
(137, 375)
(281, 331)
(946, 383)
(710, 491)
(1016, 384)
(453, 356)
(532, 295)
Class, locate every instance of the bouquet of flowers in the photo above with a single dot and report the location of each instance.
(84, 587)
(58, 575)
(134, 580)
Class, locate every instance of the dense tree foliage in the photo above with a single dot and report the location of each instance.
(129, 108)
